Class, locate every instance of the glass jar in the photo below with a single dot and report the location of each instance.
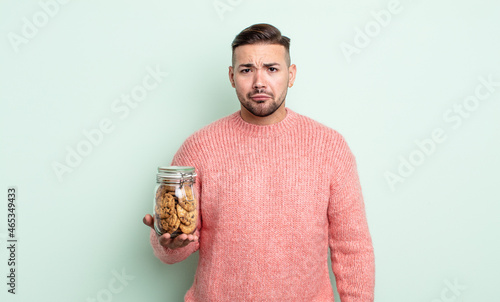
(176, 201)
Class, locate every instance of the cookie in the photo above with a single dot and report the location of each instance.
(169, 201)
(185, 217)
(188, 192)
(161, 212)
(188, 205)
(160, 191)
(166, 203)
(170, 224)
(189, 229)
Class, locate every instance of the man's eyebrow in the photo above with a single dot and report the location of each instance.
(252, 65)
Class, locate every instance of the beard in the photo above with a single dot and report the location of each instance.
(261, 108)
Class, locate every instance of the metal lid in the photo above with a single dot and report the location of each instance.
(176, 173)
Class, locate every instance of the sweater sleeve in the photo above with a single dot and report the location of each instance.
(183, 157)
(352, 254)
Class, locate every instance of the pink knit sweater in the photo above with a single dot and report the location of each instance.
(272, 200)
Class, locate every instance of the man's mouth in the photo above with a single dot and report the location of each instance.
(260, 97)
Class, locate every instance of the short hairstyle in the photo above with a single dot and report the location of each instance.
(262, 33)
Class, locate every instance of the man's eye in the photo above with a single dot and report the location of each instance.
(273, 69)
(245, 70)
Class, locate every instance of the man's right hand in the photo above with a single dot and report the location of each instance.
(165, 240)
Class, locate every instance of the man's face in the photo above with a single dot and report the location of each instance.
(261, 77)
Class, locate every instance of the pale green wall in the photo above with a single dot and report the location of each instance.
(439, 226)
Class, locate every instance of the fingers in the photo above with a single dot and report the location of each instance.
(185, 239)
(165, 240)
(177, 242)
(148, 220)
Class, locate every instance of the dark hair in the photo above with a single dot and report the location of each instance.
(262, 33)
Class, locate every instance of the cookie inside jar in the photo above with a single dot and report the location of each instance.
(175, 205)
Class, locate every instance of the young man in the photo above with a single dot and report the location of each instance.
(276, 190)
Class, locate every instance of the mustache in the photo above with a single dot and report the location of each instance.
(260, 91)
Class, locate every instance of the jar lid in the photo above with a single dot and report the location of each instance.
(176, 173)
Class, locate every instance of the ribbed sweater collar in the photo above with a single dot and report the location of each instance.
(254, 130)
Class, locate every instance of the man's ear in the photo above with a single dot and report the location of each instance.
(231, 76)
(292, 73)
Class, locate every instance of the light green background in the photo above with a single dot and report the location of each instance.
(440, 224)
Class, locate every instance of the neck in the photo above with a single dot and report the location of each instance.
(274, 118)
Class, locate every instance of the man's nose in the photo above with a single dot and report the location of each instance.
(259, 80)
